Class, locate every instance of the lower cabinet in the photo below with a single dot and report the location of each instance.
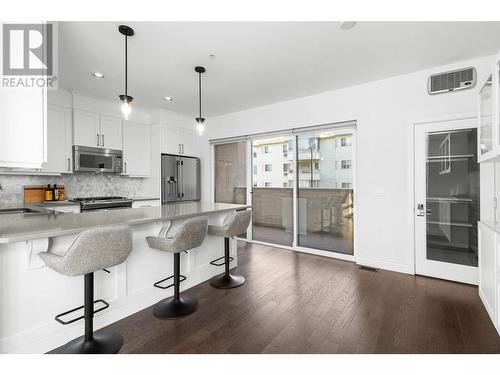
(489, 271)
(147, 203)
(136, 149)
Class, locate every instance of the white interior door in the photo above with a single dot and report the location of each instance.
(447, 200)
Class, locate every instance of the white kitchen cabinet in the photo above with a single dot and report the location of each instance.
(59, 147)
(94, 130)
(68, 209)
(23, 138)
(489, 116)
(170, 140)
(86, 129)
(188, 140)
(146, 203)
(136, 149)
(178, 141)
(111, 132)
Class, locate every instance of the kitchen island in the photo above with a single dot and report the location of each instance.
(31, 294)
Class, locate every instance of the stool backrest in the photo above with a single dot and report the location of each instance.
(237, 223)
(191, 234)
(97, 248)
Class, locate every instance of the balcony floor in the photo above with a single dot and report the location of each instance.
(315, 240)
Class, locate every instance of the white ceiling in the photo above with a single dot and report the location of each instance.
(256, 63)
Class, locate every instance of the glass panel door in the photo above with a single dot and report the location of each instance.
(272, 190)
(325, 198)
(230, 174)
(447, 200)
(452, 197)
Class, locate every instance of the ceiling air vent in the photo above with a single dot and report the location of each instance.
(452, 81)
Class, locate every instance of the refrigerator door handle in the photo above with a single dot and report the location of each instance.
(179, 179)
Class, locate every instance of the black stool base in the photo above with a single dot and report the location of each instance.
(227, 282)
(102, 343)
(170, 308)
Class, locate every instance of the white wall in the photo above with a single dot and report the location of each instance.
(383, 110)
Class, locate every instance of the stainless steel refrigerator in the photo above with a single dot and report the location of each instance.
(180, 179)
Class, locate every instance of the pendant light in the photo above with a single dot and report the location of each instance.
(200, 121)
(126, 99)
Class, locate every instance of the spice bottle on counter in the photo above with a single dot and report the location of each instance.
(55, 196)
(48, 193)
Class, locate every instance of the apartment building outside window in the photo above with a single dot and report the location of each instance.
(268, 167)
(268, 184)
(346, 164)
(267, 150)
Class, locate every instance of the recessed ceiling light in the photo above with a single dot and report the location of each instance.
(98, 75)
(168, 98)
(346, 25)
(211, 57)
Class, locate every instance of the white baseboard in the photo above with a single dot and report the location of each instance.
(390, 266)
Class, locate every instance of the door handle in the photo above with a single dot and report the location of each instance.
(420, 209)
(102, 140)
(69, 164)
(182, 148)
(97, 139)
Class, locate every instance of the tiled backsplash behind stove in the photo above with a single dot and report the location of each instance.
(75, 185)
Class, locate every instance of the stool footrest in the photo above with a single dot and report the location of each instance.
(157, 284)
(65, 322)
(214, 262)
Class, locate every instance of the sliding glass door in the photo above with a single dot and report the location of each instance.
(301, 186)
(272, 190)
(325, 190)
(230, 173)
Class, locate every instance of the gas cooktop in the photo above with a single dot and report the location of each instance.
(96, 203)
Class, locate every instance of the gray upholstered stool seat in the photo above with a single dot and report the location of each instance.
(235, 224)
(92, 250)
(191, 234)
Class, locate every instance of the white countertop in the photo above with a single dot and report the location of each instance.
(20, 227)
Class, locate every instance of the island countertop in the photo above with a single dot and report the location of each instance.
(21, 227)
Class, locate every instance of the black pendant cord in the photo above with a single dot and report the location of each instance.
(199, 91)
(126, 66)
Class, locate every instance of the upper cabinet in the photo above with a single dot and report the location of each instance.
(136, 149)
(23, 138)
(94, 130)
(86, 129)
(59, 150)
(489, 116)
(111, 132)
(178, 141)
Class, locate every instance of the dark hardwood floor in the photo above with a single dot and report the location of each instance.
(300, 303)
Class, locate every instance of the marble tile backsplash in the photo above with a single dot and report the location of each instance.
(76, 185)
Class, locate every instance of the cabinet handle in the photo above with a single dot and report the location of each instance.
(179, 148)
(183, 148)
(69, 164)
(102, 140)
(97, 139)
(125, 167)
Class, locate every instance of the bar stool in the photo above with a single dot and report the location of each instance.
(234, 225)
(190, 235)
(92, 250)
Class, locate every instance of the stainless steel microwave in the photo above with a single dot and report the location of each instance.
(94, 159)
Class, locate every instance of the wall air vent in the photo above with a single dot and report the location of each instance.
(452, 81)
